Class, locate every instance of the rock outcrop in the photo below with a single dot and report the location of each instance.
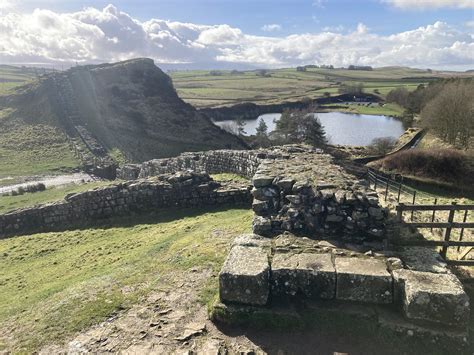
(129, 106)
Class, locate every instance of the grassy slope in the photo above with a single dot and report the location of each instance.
(34, 149)
(11, 77)
(29, 149)
(202, 89)
(8, 203)
(55, 284)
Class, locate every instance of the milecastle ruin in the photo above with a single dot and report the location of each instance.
(320, 236)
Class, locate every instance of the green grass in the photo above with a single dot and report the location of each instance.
(387, 109)
(229, 177)
(202, 89)
(34, 149)
(55, 284)
(9, 203)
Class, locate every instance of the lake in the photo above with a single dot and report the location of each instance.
(341, 128)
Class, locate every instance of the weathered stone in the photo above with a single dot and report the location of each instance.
(285, 184)
(264, 193)
(375, 212)
(310, 274)
(363, 280)
(252, 240)
(438, 298)
(244, 278)
(334, 218)
(423, 259)
(260, 207)
(262, 180)
(262, 225)
(294, 199)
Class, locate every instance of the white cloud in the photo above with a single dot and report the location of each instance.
(271, 28)
(319, 3)
(431, 4)
(469, 24)
(92, 35)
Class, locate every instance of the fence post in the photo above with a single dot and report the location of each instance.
(400, 212)
(386, 190)
(433, 216)
(461, 235)
(414, 197)
(399, 191)
(447, 235)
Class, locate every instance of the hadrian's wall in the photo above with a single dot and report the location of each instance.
(241, 162)
(185, 189)
(295, 188)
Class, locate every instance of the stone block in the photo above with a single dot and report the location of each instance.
(363, 280)
(309, 274)
(260, 208)
(252, 240)
(262, 225)
(244, 278)
(438, 298)
(262, 180)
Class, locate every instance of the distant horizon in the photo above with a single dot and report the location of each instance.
(57, 67)
(211, 34)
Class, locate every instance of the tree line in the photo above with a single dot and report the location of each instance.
(446, 107)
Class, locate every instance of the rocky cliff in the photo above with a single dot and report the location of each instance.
(130, 106)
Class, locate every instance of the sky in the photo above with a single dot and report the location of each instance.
(437, 34)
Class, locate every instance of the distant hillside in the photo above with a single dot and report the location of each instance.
(130, 107)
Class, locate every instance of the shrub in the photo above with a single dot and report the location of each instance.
(381, 146)
(439, 164)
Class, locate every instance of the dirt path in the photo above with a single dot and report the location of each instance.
(172, 321)
(49, 181)
(169, 320)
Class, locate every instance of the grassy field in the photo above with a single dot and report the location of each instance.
(12, 77)
(55, 284)
(8, 203)
(386, 109)
(202, 89)
(34, 149)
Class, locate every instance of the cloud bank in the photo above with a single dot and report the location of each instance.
(93, 35)
(431, 4)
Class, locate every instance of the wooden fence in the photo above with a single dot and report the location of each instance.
(449, 225)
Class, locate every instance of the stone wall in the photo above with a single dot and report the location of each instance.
(242, 162)
(309, 193)
(185, 189)
(296, 188)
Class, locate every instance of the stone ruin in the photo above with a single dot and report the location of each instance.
(305, 192)
(319, 237)
(135, 197)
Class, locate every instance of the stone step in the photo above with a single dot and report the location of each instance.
(363, 280)
(245, 276)
(432, 297)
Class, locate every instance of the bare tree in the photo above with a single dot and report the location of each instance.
(450, 114)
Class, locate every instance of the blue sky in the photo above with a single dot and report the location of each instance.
(293, 16)
(423, 33)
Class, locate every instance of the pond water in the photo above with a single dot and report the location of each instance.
(341, 128)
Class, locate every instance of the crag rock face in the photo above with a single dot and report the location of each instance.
(129, 105)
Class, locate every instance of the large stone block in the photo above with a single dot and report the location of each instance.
(252, 240)
(309, 274)
(363, 280)
(432, 297)
(244, 278)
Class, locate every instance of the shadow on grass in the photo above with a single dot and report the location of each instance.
(164, 215)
